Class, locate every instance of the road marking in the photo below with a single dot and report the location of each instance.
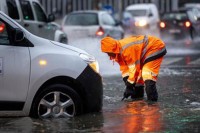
(171, 60)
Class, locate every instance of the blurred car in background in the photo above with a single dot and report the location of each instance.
(180, 24)
(56, 26)
(194, 7)
(31, 15)
(145, 18)
(91, 23)
(128, 21)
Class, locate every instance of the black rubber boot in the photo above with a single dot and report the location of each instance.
(139, 92)
(151, 91)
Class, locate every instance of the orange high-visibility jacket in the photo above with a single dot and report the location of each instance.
(135, 51)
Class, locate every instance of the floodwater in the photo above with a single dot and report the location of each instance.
(177, 110)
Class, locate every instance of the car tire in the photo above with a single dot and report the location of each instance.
(64, 40)
(56, 101)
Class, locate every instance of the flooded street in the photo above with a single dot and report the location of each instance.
(177, 110)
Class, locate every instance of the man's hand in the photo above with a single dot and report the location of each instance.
(125, 79)
(129, 90)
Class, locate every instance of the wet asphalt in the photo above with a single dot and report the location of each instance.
(177, 110)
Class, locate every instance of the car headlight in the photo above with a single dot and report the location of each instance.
(141, 23)
(91, 61)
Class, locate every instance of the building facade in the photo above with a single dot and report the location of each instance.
(62, 7)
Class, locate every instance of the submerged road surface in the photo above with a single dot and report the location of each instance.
(177, 110)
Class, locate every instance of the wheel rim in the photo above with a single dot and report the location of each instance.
(55, 105)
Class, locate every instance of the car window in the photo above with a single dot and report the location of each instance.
(107, 19)
(26, 10)
(82, 19)
(139, 12)
(4, 39)
(12, 9)
(41, 16)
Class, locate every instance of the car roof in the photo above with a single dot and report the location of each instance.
(34, 1)
(176, 11)
(88, 11)
(140, 6)
(191, 5)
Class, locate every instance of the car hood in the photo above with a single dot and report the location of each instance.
(69, 47)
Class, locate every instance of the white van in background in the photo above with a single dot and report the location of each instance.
(146, 18)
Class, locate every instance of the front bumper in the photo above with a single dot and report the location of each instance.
(91, 81)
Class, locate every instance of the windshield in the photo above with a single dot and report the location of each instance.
(140, 12)
(175, 16)
(82, 19)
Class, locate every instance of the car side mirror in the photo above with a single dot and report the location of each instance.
(51, 17)
(150, 14)
(118, 22)
(19, 35)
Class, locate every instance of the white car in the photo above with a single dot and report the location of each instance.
(146, 18)
(31, 15)
(44, 78)
(91, 23)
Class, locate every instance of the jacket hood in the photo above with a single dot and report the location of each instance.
(110, 45)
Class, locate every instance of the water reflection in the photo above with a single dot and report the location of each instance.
(84, 123)
(178, 109)
(136, 116)
(15, 125)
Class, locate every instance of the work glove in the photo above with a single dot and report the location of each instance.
(125, 79)
(129, 91)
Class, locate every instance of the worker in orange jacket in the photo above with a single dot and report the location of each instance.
(139, 58)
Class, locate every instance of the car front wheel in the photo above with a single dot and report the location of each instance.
(56, 101)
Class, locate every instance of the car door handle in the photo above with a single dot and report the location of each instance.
(40, 26)
(26, 25)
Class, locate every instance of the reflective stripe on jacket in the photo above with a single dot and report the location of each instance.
(136, 51)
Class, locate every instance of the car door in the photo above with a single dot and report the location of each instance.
(44, 29)
(27, 16)
(14, 70)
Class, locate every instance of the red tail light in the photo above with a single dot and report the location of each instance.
(187, 24)
(162, 25)
(100, 32)
(2, 27)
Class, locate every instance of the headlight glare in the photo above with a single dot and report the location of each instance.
(141, 23)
